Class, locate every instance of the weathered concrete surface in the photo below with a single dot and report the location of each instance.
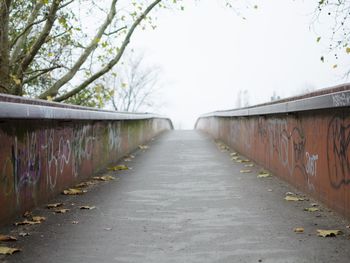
(184, 201)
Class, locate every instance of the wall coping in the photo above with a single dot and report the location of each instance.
(14, 107)
(335, 97)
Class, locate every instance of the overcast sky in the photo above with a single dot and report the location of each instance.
(207, 54)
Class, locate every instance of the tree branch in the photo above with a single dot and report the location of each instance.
(52, 92)
(115, 60)
(41, 72)
(38, 43)
(18, 42)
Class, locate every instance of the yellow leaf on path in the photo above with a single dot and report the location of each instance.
(328, 233)
(86, 207)
(293, 198)
(8, 250)
(311, 209)
(245, 161)
(104, 178)
(235, 158)
(7, 238)
(50, 206)
(298, 230)
(263, 174)
(26, 222)
(249, 165)
(38, 218)
(348, 50)
(239, 161)
(119, 167)
(233, 154)
(245, 171)
(74, 191)
(85, 184)
(61, 211)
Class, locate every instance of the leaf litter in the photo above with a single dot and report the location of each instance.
(293, 198)
(74, 191)
(104, 178)
(311, 209)
(328, 233)
(8, 250)
(119, 167)
(263, 174)
(245, 171)
(54, 205)
(87, 207)
(298, 230)
(7, 238)
(61, 211)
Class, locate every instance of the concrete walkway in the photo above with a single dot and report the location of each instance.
(183, 201)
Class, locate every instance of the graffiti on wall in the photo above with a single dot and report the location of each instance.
(44, 153)
(338, 151)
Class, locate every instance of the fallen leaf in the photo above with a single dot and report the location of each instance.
(119, 167)
(86, 207)
(245, 161)
(249, 165)
(61, 211)
(85, 184)
(143, 147)
(235, 158)
(8, 250)
(239, 161)
(233, 154)
(108, 228)
(245, 171)
(290, 193)
(299, 230)
(23, 234)
(7, 238)
(263, 174)
(55, 205)
(269, 190)
(74, 191)
(104, 178)
(38, 218)
(75, 222)
(314, 204)
(127, 159)
(328, 233)
(293, 198)
(26, 222)
(311, 209)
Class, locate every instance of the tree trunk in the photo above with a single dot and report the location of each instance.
(5, 81)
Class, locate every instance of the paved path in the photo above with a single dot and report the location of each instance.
(183, 201)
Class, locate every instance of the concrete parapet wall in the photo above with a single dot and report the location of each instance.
(40, 157)
(309, 148)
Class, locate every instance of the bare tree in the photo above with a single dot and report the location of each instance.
(135, 85)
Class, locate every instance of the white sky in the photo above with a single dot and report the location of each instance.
(207, 54)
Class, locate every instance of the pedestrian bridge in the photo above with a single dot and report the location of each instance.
(248, 185)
